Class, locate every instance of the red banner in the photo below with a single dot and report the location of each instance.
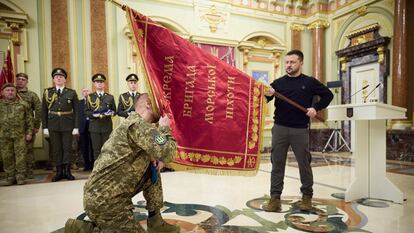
(216, 108)
(7, 74)
(224, 53)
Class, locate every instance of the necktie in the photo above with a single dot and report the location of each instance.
(133, 95)
(59, 92)
(100, 95)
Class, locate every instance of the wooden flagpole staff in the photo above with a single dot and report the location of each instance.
(123, 7)
(300, 107)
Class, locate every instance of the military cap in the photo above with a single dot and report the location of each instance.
(59, 71)
(7, 85)
(98, 77)
(132, 77)
(22, 75)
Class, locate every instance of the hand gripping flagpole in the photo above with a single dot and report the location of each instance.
(298, 106)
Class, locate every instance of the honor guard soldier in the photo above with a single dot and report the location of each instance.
(100, 108)
(16, 128)
(35, 108)
(60, 121)
(127, 100)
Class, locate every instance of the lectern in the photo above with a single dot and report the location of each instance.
(368, 139)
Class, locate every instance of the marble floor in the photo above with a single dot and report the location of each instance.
(209, 203)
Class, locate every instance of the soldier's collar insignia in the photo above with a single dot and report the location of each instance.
(160, 139)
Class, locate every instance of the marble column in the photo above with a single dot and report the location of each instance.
(318, 56)
(60, 37)
(318, 48)
(296, 36)
(98, 40)
(401, 68)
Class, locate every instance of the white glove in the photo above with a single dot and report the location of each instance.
(108, 113)
(75, 131)
(96, 115)
(46, 132)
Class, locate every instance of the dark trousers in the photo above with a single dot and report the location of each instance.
(298, 139)
(98, 139)
(85, 145)
(61, 146)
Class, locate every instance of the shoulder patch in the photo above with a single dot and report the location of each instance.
(160, 139)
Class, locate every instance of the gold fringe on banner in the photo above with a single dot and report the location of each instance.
(211, 171)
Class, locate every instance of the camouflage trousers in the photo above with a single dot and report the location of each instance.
(30, 160)
(13, 152)
(117, 216)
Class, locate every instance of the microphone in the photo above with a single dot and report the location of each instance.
(365, 99)
(363, 88)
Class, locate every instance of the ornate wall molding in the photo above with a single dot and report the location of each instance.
(297, 27)
(320, 23)
(14, 18)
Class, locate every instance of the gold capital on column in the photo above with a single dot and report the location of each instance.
(342, 61)
(246, 56)
(320, 23)
(297, 27)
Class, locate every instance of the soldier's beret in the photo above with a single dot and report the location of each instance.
(22, 75)
(98, 77)
(59, 71)
(7, 85)
(132, 77)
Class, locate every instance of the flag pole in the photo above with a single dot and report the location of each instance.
(298, 106)
(118, 4)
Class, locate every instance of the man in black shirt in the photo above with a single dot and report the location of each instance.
(291, 127)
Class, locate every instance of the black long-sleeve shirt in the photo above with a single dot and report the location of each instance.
(300, 89)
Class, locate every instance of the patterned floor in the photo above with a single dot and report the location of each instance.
(326, 216)
(208, 203)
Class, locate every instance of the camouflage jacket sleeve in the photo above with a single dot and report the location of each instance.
(156, 142)
(38, 109)
(28, 118)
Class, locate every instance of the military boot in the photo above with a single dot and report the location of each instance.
(20, 179)
(274, 205)
(306, 203)
(67, 173)
(29, 173)
(156, 224)
(78, 226)
(10, 181)
(59, 174)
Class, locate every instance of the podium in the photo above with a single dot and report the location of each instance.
(368, 139)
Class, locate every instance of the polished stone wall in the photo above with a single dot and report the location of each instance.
(400, 145)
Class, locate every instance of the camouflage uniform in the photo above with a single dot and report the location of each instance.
(35, 106)
(123, 170)
(15, 122)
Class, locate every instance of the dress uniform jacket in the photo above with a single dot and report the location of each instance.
(60, 113)
(100, 105)
(126, 104)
